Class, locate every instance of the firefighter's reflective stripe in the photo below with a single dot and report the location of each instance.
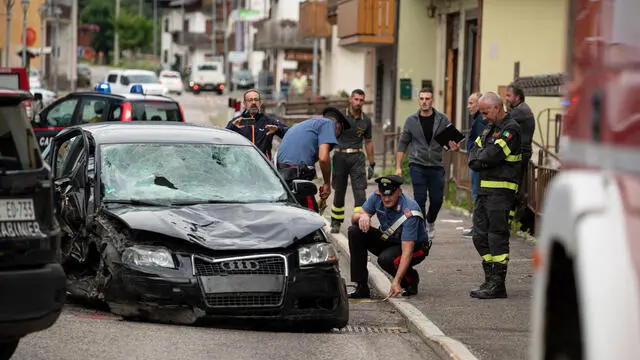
(498, 185)
(355, 209)
(503, 144)
(514, 158)
(337, 212)
(479, 142)
(502, 259)
(396, 225)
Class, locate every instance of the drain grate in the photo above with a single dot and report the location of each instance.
(370, 330)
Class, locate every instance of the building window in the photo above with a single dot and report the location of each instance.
(166, 24)
(165, 56)
(185, 26)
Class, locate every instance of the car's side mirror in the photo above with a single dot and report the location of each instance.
(37, 97)
(304, 188)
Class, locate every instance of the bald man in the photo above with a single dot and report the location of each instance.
(496, 156)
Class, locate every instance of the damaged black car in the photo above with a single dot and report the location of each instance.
(179, 223)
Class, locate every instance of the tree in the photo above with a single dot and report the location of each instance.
(100, 13)
(134, 31)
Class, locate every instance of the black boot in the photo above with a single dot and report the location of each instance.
(495, 288)
(486, 266)
(410, 289)
(335, 226)
(362, 292)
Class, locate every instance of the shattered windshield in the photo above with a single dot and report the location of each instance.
(187, 173)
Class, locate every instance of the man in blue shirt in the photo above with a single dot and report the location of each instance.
(256, 126)
(400, 243)
(305, 144)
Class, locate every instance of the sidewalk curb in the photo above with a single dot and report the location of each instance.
(425, 328)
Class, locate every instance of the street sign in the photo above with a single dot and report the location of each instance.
(237, 57)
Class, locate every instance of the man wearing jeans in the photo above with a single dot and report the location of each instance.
(425, 159)
(477, 127)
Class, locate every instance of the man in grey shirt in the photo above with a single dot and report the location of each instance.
(425, 157)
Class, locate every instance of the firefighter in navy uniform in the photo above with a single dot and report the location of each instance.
(400, 243)
(348, 159)
(496, 156)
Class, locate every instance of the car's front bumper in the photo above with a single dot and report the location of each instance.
(31, 299)
(315, 293)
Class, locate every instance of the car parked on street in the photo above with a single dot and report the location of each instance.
(122, 80)
(179, 222)
(92, 106)
(242, 79)
(32, 282)
(172, 80)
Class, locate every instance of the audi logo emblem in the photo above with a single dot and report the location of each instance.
(240, 265)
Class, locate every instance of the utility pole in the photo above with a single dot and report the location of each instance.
(314, 88)
(73, 64)
(183, 19)
(116, 44)
(155, 35)
(25, 8)
(140, 5)
(8, 5)
(56, 53)
(214, 28)
(250, 41)
(225, 15)
(43, 16)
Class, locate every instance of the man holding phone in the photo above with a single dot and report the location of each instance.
(255, 125)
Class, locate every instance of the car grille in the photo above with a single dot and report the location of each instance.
(272, 265)
(228, 300)
(275, 265)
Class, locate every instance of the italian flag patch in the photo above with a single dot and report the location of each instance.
(507, 135)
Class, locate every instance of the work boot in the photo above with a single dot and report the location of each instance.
(409, 290)
(335, 227)
(362, 292)
(431, 229)
(495, 288)
(486, 266)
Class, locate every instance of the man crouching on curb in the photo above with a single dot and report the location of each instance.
(400, 243)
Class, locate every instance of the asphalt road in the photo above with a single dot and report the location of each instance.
(376, 330)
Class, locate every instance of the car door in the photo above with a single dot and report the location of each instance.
(52, 119)
(68, 161)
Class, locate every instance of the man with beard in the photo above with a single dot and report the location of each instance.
(256, 126)
(521, 113)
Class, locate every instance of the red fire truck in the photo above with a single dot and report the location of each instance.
(586, 297)
(16, 78)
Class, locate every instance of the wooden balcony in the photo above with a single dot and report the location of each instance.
(367, 23)
(313, 19)
(332, 12)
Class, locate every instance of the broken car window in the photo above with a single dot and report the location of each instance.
(179, 173)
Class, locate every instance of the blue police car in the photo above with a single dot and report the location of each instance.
(102, 105)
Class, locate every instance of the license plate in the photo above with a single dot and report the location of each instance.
(16, 210)
(242, 283)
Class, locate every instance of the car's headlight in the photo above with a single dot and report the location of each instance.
(148, 256)
(316, 254)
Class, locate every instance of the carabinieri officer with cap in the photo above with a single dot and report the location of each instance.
(400, 243)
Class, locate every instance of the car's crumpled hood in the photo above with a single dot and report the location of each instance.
(225, 226)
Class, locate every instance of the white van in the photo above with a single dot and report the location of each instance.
(207, 76)
(121, 82)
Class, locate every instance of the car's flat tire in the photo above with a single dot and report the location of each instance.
(8, 348)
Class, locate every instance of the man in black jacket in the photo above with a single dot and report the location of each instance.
(497, 157)
(256, 126)
(521, 113)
